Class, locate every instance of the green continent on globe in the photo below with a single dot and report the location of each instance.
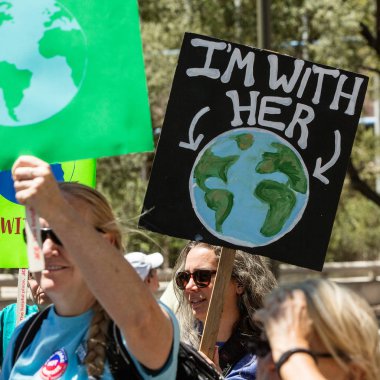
(220, 201)
(287, 162)
(211, 165)
(4, 16)
(68, 44)
(13, 82)
(244, 141)
(58, 15)
(281, 202)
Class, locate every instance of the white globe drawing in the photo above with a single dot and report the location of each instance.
(40, 70)
(238, 177)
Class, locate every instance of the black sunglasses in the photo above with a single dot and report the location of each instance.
(47, 232)
(201, 277)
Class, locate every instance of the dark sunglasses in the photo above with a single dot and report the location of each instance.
(47, 232)
(201, 277)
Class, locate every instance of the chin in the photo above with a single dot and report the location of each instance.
(48, 285)
(200, 316)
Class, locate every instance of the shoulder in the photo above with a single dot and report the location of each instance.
(30, 314)
(9, 309)
(8, 359)
(9, 312)
(8, 317)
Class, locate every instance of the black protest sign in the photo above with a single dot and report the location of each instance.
(253, 151)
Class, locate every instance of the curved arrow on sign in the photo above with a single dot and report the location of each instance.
(193, 145)
(320, 169)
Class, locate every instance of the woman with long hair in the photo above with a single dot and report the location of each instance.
(251, 280)
(90, 285)
(318, 330)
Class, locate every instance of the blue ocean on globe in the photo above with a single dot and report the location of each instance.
(6, 182)
(249, 187)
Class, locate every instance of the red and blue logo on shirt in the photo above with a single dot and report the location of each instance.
(55, 366)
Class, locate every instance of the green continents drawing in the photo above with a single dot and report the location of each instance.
(281, 201)
(218, 200)
(221, 202)
(249, 187)
(13, 82)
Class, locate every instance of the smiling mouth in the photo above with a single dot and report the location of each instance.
(197, 302)
(54, 268)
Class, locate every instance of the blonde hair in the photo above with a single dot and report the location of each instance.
(251, 272)
(104, 220)
(101, 211)
(345, 323)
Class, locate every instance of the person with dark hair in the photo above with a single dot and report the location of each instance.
(96, 293)
(318, 330)
(251, 280)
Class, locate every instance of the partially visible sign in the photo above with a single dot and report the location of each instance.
(12, 215)
(22, 287)
(253, 151)
(72, 80)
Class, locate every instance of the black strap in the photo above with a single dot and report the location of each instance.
(28, 332)
(192, 366)
(120, 362)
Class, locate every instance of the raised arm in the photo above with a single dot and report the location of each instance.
(147, 328)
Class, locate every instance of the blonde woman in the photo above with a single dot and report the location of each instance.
(319, 330)
(90, 283)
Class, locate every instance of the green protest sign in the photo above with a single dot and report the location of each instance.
(12, 215)
(72, 81)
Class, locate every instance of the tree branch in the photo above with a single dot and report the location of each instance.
(368, 36)
(359, 185)
(373, 69)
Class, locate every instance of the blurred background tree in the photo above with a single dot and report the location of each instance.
(332, 33)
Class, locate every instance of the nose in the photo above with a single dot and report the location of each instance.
(191, 285)
(49, 248)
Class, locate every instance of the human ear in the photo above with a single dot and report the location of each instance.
(239, 289)
(109, 237)
(356, 373)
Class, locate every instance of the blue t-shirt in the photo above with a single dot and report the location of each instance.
(57, 349)
(8, 318)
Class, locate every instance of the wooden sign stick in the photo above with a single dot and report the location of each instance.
(215, 308)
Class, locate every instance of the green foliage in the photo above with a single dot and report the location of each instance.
(356, 232)
(123, 180)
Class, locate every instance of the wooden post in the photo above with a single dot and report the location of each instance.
(215, 307)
